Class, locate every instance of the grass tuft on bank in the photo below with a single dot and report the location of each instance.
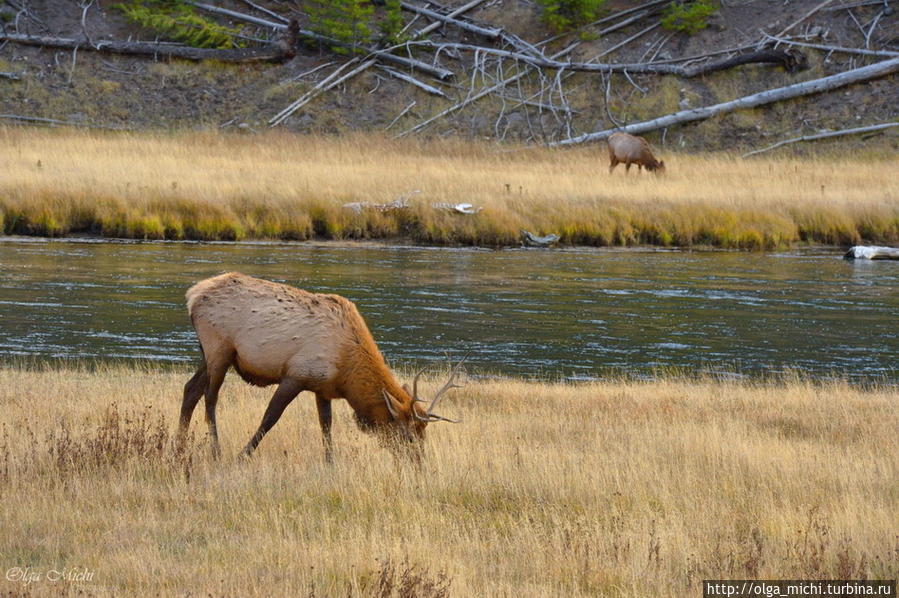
(617, 488)
(210, 186)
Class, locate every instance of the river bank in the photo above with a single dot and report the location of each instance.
(212, 186)
(614, 488)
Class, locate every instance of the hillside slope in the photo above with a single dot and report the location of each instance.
(104, 89)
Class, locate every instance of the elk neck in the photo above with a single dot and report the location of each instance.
(364, 378)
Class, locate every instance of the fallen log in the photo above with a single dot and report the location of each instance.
(839, 133)
(865, 73)
(38, 120)
(11, 76)
(491, 33)
(272, 52)
(855, 5)
(872, 252)
(412, 80)
(531, 240)
(651, 8)
(488, 32)
(792, 61)
(437, 24)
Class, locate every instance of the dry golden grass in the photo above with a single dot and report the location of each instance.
(213, 186)
(601, 489)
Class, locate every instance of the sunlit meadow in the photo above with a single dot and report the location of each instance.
(616, 488)
(281, 186)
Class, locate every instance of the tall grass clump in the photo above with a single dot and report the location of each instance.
(210, 186)
(624, 488)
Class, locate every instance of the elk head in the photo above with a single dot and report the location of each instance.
(410, 419)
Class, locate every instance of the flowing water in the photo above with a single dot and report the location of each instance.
(562, 313)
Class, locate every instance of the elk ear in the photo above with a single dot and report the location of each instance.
(393, 406)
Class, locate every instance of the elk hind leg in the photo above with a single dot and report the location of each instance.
(287, 392)
(324, 420)
(193, 390)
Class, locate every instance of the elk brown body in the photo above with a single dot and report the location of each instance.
(631, 149)
(272, 333)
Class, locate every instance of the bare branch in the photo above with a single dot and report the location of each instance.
(327, 83)
(861, 51)
(477, 96)
(410, 79)
(437, 24)
(263, 9)
(871, 29)
(84, 22)
(804, 17)
(839, 133)
(400, 115)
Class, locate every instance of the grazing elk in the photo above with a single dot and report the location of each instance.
(632, 150)
(276, 334)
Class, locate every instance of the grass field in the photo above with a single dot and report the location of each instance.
(601, 489)
(280, 186)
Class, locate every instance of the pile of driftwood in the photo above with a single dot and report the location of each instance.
(498, 62)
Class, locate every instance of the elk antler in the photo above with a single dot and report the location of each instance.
(430, 416)
(415, 385)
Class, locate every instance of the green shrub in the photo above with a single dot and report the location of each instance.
(391, 25)
(178, 22)
(688, 17)
(564, 15)
(346, 21)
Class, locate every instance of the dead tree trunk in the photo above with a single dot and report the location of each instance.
(792, 61)
(272, 52)
(488, 32)
(866, 73)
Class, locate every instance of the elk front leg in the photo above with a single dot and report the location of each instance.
(324, 419)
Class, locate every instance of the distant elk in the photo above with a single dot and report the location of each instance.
(631, 149)
(272, 333)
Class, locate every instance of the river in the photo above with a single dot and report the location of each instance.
(574, 314)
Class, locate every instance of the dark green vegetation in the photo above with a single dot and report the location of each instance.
(180, 22)
(562, 15)
(690, 16)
